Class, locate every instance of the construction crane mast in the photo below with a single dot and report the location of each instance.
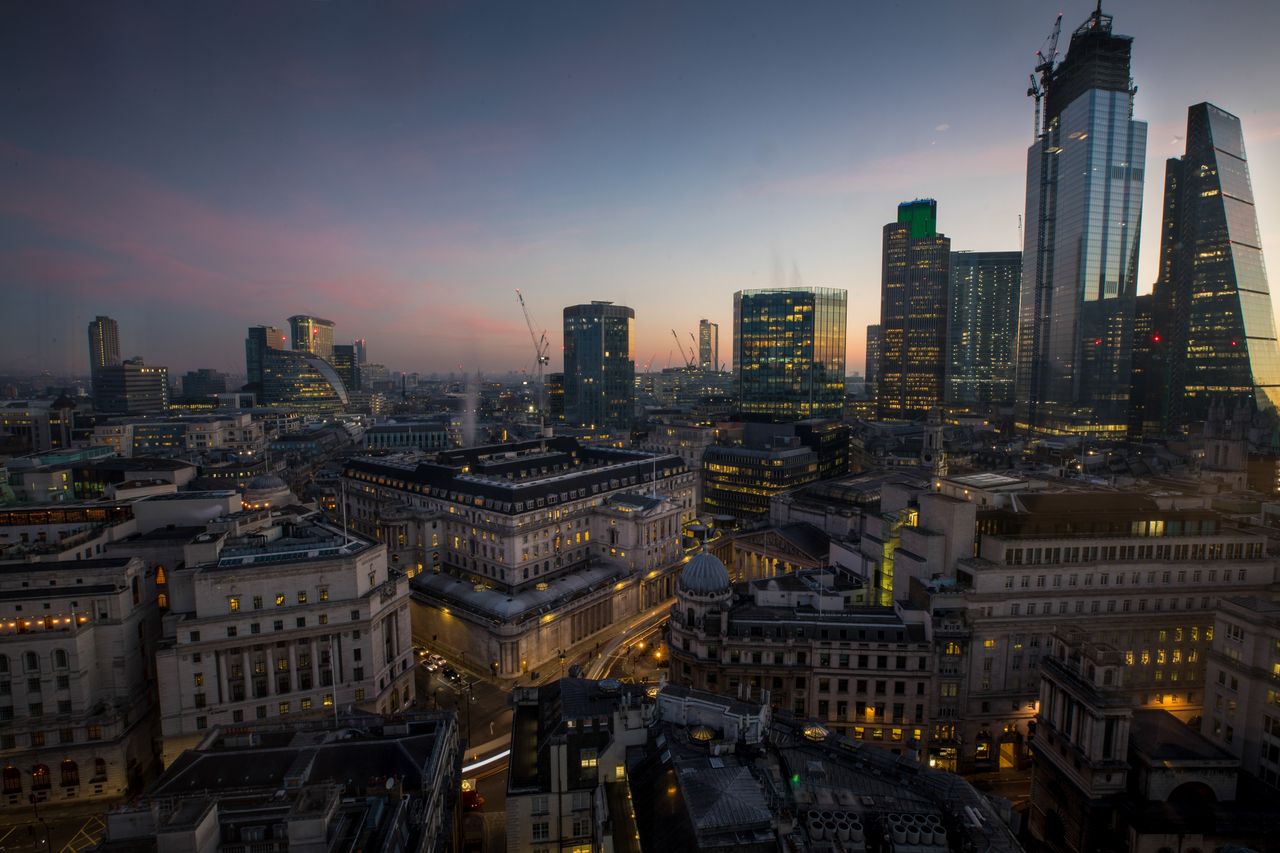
(541, 350)
(688, 359)
(1046, 57)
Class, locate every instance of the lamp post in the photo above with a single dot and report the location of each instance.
(35, 807)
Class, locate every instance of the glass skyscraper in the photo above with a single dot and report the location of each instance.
(256, 343)
(302, 381)
(913, 313)
(599, 365)
(982, 325)
(104, 348)
(789, 352)
(1080, 253)
(313, 335)
(1212, 300)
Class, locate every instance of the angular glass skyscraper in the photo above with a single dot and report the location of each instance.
(1080, 253)
(982, 324)
(599, 365)
(789, 352)
(913, 313)
(1212, 301)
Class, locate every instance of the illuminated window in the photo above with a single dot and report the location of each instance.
(279, 599)
(233, 603)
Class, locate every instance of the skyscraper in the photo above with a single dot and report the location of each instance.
(362, 352)
(873, 360)
(259, 340)
(1211, 300)
(302, 381)
(346, 362)
(982, 323)
(1080, 253)
(789, 352)
(708, 345)
(104, 347)
(913, 313)
(599, 365)
(313, 335)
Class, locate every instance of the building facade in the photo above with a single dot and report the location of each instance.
(281, 617)
(346, 362)
(873, 360)
(104, 346)
(1242, 685)
(77, 679)
(305, 382)
(205, 382)
(259, 340)
(982, 328)
(913, 313)
(132, 388)
(708, 345)
(312, 335)
(599, 365)
(1085, 177)
(1212, 298)
(789, 352)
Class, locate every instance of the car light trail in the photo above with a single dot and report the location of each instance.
(468, 768)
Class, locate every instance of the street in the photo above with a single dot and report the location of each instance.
(70, 830)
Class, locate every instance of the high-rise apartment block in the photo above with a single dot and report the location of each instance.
(982, 328)
(1085, 175)
(281, 617)
(708, 345)
(1212, 303)
(259, 340)
(913, 313)
(599, 365)
(789, 352)
(312, 335)
(104, 345)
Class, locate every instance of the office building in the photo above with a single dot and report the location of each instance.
(599, 365)
(305, 382)
(578, 536)
(77, 721)
(402, 435)
(132, 388)
(378, 786)
(312, 335)
(789, 353)
(708, 345)
(1148, 397)
(362, 350)
(872, 377)
(982, 329)
(914, 280)
(280, 617)
(740, 479)
(205, 382)
(1213, 300)
(104, 347)
(1242, 694)
(1085, 175)
(346, 363)
(259, 341)
(555, 398)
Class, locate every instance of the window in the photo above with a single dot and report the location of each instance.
(60, 659)
(587, 758)
(93, 732)
(302, 596)
(202, 723)
(540, 830)
(257, 602)
(324, 593)
(284, 707)
(231, 630)
(233, 603)
(279, 599)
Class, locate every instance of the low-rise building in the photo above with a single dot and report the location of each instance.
(1242, 684)
(77, 709)
(354, 783)
(278, 615)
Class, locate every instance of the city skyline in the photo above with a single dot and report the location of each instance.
(406, 198)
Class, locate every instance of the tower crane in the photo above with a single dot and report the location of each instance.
(541, 349)
(1046, 56)
(688, 361)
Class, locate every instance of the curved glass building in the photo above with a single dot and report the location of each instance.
(301, 381)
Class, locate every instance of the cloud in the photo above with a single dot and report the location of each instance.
(943, 128)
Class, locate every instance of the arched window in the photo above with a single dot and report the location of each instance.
(32, 662)
(60, 658)
(160, 578)
(12, 780)
(40, 777)
(99, 768)
(70, 772)
(162, 601)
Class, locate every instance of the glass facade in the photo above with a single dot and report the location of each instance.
(982, 324)
(1213, 295)
(913, 313)
(346, 362)
(259, 340)
(1084, 207)
(789, 352)
(873, 359)
(599, 365)
(708, 345)
(313, 335)
(301, 381)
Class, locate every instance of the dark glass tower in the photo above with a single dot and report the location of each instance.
(789, 352)
(873, 360)
(1080, 255)
(259, 340)
(346, 361)
(913, 313)
(104, 349)
(599, 365)
(313, 335)
(982, 321)
(1212, 297)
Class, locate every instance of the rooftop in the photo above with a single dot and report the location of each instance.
(1162, 738)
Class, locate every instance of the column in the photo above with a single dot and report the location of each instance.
(271, 671)
(222, 667)
(246, 667)
(293, 667)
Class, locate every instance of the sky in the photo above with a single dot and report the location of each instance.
(192, 169)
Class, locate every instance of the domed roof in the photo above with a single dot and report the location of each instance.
(705, 574)
(266, 482)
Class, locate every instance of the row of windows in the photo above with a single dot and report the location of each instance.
(42, 779)
(278, 625)
(1046, 608)
(235, 602)
(1112, 553)
(1135, 578)
(31, 661)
